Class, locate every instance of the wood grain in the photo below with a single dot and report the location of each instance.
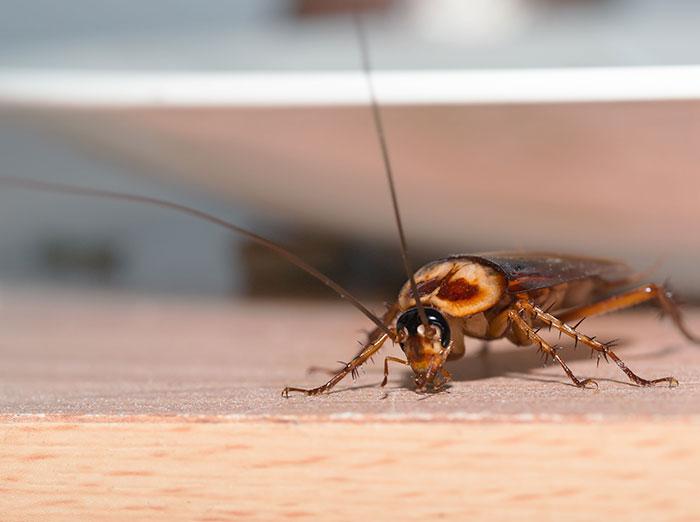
(227, 471)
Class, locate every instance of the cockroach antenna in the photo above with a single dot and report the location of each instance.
(377, 116)
(64, 188)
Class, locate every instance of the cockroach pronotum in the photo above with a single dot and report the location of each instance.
(485, 296)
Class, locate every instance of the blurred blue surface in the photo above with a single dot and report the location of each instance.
(414, 34)
(156, 250)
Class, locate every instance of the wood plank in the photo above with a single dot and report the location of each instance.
(227, 471)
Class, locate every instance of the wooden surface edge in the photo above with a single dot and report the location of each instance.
(268, 470)
(466, 418)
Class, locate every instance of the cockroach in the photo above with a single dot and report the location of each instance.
(485, 296)
(506, 295)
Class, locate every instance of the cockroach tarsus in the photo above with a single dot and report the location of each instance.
(483, 296)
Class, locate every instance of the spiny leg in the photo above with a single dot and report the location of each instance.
(389, 315)
(386, 367)
(350, 367)
(591, 342)
(631, 298)
(548, 349)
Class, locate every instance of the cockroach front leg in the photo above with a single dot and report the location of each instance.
(349, 368)
(603, 349)
(530, 333)
(390, 314)
(386, 367)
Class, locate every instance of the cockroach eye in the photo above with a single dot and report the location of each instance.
(411, 323)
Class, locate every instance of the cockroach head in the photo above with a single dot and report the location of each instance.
(426, 349)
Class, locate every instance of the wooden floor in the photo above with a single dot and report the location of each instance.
(136, 408)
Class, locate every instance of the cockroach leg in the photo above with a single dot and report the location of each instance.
(386, 367)
(671, 381)
(641, 294)
(603, 349)
(390, 314)
(350, 367)
(520, 323)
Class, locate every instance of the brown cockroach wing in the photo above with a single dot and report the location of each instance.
(526, 272)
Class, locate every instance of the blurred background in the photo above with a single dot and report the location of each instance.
(257, 111)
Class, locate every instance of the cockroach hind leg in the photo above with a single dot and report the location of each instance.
(636, 379)
(672, 382)
(644, 293)
(544, 346)
(588, 384)
(604, 349)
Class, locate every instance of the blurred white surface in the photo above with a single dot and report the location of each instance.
(491, 146)
(128, 89)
